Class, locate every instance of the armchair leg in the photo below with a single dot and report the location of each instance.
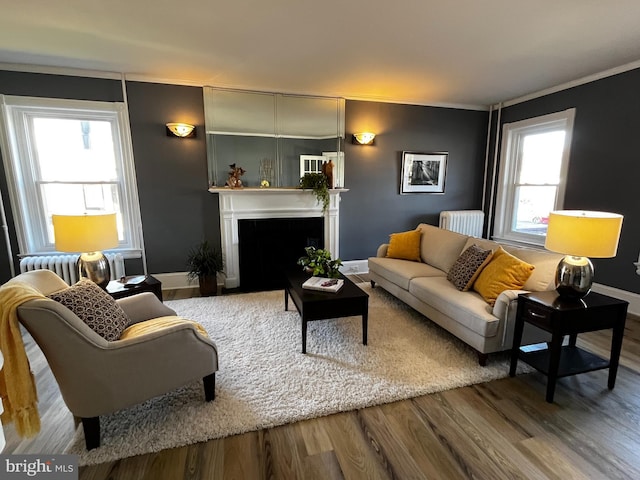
(91, 428)
(373, 284)
(209, 387)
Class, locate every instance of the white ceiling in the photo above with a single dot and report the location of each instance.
(455, 52)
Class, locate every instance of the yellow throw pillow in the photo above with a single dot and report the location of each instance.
(504, 272)
(405, 245)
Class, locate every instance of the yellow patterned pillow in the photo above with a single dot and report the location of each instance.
(405, 245)
(504, 272)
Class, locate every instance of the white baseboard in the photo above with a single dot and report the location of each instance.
(632, 298)
(354, 266)
(179, 280)
(175, 280)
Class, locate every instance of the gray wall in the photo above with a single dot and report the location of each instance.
(177, 210)
(604, 167)
(373, 207)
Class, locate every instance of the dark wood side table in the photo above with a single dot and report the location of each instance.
(561, 317)
(350, 300)
(119, 289)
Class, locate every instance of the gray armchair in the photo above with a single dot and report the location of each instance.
(97, 377)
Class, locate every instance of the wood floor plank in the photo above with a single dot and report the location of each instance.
(499, 429)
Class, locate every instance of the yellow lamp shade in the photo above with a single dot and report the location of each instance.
(584, 234)
(85, 233)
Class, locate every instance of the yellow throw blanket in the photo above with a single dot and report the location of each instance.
(17, 385)
(156, 324)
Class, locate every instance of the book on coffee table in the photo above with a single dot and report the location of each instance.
(323, 284)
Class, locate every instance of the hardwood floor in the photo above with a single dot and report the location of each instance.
(500, 429)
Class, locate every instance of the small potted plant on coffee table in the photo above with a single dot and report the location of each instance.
(318, 262)
(204, 263)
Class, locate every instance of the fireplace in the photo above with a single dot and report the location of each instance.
(271, 203)
(268, 247)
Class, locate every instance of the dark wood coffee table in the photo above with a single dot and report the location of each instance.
(349, 301)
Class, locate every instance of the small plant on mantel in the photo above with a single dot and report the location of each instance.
(320, 186)
(204, 263)
(318, 262)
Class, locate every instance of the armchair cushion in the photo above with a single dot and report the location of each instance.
(158, 324)
(95, 307)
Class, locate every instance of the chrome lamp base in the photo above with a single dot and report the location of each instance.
(574, 277)
(95, 267)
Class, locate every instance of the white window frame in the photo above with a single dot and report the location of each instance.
(21, 168)
(512, 138)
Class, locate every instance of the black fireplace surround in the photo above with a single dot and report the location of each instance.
(267, 247)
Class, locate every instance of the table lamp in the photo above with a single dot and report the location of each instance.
(580, 234)
(88, 234)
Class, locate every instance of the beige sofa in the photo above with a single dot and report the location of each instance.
(424, 286)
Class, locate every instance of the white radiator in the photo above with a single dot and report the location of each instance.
(65, 265)
(468, 222)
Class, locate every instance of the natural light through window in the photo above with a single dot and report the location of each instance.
(69, 157)
(537, 182)
(534, 161)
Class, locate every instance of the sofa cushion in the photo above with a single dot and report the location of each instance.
(468, 266)
(400, 272)
(440, 248)
(543, 277)
(405, 245)
(95, 307)
(466, 308)
(504, 272)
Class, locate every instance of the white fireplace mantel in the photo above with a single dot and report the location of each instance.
(251, 203)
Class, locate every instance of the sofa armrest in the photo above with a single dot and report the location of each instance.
(144, 306)
(503, 305)
(382, 250)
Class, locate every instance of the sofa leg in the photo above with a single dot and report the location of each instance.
(209, 387)
(482, 359)
(91, 428)
(373, 284)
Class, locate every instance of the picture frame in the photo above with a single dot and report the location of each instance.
(423, 172)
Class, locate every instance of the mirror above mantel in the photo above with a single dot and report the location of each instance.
(272, 136)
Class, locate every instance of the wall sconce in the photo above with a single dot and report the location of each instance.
(364, 138)
(183, 130)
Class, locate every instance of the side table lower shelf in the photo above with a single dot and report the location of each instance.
(573, 360)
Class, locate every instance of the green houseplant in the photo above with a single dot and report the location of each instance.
(320, 186)
(319, 263)
(204, 263)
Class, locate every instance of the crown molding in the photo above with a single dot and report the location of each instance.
(573, 83)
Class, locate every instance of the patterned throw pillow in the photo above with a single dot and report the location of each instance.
(405, 245)
(95, 307)
(468, 266)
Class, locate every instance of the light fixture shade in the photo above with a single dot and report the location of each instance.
(583, 233)
(364, 138)
(181, 129)
(85, 233)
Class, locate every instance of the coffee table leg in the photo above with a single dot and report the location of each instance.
(286, 299)
(365, 322)
(304, 336)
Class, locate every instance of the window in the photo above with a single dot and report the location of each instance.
(534, 162)
(68, 156)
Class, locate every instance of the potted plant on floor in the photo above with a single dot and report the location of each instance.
(320, 186)
(318, 262)
(204, 263)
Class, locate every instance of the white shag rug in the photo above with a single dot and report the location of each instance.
(264, 380)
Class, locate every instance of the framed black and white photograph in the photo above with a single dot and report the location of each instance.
(423, 172)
